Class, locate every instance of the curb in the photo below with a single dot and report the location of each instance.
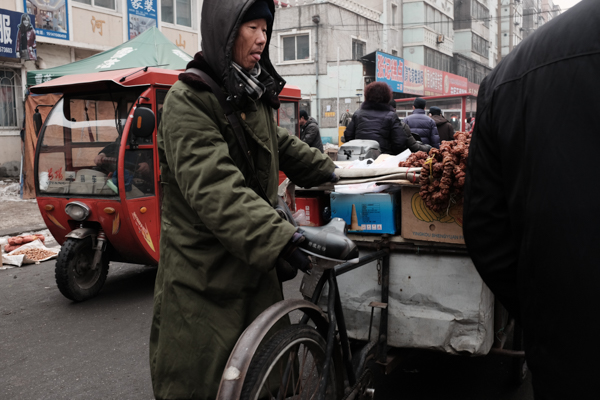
(17, 230)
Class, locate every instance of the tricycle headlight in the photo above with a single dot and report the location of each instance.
(77, 210)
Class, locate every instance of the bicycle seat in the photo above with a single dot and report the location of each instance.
(329, 242)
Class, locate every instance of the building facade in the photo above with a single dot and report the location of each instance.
(71, 30)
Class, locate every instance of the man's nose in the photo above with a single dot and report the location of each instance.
(262, 38)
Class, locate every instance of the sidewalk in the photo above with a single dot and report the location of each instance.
(19, 216)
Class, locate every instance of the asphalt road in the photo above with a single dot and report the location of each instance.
(51, 348)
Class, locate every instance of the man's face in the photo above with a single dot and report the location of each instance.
(250, 43)
(302, 121)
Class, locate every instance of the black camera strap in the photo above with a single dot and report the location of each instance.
(235, 124)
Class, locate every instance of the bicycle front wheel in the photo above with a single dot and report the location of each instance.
(289, 366)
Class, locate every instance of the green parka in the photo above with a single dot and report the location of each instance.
(219, 239)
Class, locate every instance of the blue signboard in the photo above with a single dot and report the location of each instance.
(51, 17)
(17, 35)
(141, 15)
(390, 69)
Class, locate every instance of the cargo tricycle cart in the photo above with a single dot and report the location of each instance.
(413, 287)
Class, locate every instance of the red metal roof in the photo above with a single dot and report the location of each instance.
(122, 77)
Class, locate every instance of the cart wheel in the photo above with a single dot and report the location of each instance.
(289, 365)
(520, 369)
(74, 276)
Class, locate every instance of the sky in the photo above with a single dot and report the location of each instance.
(565, 4)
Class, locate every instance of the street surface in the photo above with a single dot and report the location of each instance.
(51, 348)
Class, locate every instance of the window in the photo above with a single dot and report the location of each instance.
(480, 45)
(100, 3)
(438, 21)
(176, 12)
(358, 49)
(437, 60)
(10, 98)
(481, 13)
(296, 47)
(394, 12)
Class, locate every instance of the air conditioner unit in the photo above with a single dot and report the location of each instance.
(440, 39)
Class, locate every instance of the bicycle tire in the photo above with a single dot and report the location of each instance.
(266, 373)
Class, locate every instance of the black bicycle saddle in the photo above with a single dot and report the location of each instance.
(329, 242)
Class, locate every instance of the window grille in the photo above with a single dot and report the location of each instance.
(10, 98)
(110, 4)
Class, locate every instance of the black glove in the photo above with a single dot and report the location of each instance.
(292, 259)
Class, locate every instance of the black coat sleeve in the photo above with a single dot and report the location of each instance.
(398, 139)
(487, 230)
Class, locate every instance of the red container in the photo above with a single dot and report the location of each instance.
(313, 207)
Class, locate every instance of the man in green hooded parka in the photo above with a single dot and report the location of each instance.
(219, 239)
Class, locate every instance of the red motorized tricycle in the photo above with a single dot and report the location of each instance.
(97, 175)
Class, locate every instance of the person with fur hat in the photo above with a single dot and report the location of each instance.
(422, 125)
(444, 127)
(220, 236)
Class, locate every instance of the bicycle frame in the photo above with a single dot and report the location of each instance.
(336, 317)
(236, 368)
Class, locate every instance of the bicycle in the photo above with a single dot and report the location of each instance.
(315, 361)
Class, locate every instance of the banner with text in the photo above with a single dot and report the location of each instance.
(17, 35)
(142, 16)
(434, 80)
(390, 69)
(473, 88)
(454, 84)
(51, 18)
(414, 78)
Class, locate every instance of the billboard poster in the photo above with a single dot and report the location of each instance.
(390, 69)
(454, 84)
(51, 18)
(434, 81)
(17, 35)
(141, 15)
(414, 78)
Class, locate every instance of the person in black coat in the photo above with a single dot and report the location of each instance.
(375, 120)
(530, 220)
(444, 127)
(309, 131)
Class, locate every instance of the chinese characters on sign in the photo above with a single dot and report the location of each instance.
(390, 69)
(142, 16)
(51, 18)
(409, 77)
(17, 35)
(414, 78)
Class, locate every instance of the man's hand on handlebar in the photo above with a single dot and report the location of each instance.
(292, 259)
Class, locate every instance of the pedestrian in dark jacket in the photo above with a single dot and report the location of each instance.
(413, 142)
(422, 125)
(220, 239)
(529, 215)
(309, 131)
(376, 121)
(444, 127)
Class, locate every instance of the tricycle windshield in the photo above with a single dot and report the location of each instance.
(79, 145)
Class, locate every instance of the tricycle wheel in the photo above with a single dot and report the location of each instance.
(520, 369)
(74, 275)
